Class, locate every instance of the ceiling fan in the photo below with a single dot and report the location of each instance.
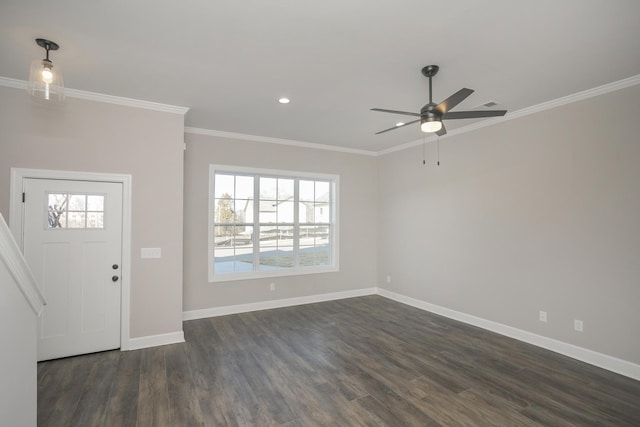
(431, 115)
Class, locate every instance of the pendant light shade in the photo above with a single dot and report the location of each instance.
(45, 80)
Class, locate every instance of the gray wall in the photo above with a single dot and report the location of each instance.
(536, 213)
(97, 137)
(357, 220)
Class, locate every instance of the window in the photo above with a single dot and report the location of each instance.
(75, 210)
(271, 223)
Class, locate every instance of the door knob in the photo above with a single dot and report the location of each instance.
(114, 278)
(114, 266)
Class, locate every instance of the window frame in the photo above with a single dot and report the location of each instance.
(258, 173)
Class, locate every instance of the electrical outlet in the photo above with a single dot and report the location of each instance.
(272, 286)
(543, 316)
(577, 325)
(389, 279)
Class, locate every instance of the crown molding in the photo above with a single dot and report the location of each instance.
(569, 99)
(99, 97)
(290, 142)
(579, 96)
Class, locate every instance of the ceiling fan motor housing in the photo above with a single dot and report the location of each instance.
(428, 113)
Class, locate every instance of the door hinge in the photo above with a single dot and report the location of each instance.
(23, 197)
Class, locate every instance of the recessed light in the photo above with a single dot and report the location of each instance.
(284, 100)
(399, 124)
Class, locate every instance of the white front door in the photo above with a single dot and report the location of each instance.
(72, 240)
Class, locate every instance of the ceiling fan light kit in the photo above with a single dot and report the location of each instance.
(45, 80)
(431, 115)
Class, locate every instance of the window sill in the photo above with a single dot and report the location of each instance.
(269, 274)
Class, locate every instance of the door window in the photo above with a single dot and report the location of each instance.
(79, 211)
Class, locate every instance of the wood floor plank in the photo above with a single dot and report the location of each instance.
(65, 391)
(153, 395)
(122, 407)
(92, 404)
(360, 361)
(184, 404)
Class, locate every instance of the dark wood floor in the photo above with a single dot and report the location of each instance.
(359, 361)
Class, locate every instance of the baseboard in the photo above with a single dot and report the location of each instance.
(279, 303)
(155, 340)
(604, 361)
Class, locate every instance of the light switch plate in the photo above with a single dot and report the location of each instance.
(151, 253)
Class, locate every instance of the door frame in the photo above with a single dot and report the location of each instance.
(16, 217)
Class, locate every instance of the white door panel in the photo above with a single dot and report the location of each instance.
(73, 244)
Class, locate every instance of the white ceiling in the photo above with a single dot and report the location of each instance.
(229, 61)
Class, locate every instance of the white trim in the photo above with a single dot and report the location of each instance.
(280, 303)
(99, 97)
(579, 96)
(267, 139)
(604, 361)
(16, 264)
(156, 340)
(16, 217)
(335, 236)
(267, 274)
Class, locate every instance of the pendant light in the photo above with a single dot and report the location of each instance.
(45, 80)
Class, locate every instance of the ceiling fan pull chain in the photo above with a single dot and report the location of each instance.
(424, 143)
(438, 150)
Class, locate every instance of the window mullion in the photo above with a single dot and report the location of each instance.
(296, 223)
(256, 222)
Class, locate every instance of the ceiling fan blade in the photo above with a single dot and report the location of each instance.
(474, 114)
(442, 131)
(396, 127)
(406, 113)
(453, 100)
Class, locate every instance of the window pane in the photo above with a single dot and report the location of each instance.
(306, 191)
(224, 211)
(322, 191)
(244, 187)
(224, 186)
(285, 236)
(268, 210)
(285, 189)
(233, 249)
(95, 203)
(285, 258)
(243, 211)
(268, 258)
(95, 220)
(285, 212)
(268, 187)
(306, 256)
(321, 256)
(306, 233)
(77, 202)
(56, 208)
(314, 255)
(268, 233)
(321, 212)
(58, 200)
(76, 220)
(306, 212)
